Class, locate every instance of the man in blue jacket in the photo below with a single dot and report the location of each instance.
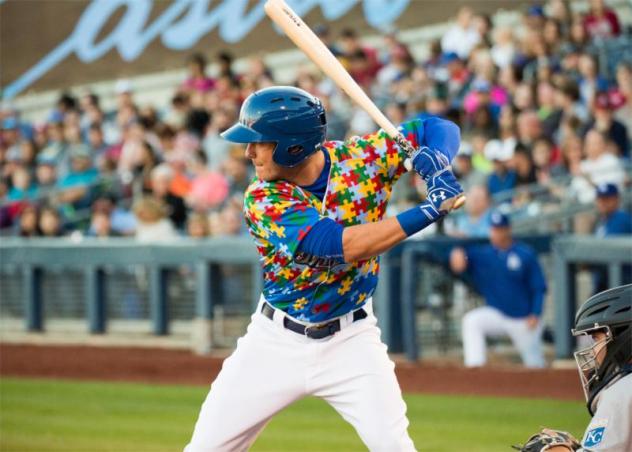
(510, 278)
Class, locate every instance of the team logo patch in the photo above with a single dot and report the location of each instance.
(513, 262)
(441, 196)
(594, 436)
(596, 432)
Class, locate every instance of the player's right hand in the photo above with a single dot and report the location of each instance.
(443, 191)
(428, 162)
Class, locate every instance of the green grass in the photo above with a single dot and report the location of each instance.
(50, 415)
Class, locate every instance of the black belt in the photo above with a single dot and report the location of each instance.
(319, 331)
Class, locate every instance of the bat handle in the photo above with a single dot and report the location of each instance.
(408, 148)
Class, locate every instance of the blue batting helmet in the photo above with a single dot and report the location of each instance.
(290, 117)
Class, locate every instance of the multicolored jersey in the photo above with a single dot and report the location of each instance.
(279, 214)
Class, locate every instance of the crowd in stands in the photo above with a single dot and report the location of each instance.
(537, 104)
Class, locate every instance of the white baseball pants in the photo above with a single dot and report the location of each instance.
(273, 367)
(486, 321)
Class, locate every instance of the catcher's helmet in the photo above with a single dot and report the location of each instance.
(609, 312)
(290, 117)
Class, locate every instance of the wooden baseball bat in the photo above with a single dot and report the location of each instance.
(306, 40)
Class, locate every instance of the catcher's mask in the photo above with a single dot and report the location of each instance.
(609, 358)
(590, 358)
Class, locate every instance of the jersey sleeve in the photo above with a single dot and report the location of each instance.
(278, 216)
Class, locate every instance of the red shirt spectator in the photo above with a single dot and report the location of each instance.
(601, 22)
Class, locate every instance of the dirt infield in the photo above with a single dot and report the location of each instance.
(181, 367)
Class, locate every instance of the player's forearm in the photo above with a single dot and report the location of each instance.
(364, 241)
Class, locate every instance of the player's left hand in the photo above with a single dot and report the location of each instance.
(549, 440)
(427, 162)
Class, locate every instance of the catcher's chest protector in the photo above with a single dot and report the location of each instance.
(611, 427)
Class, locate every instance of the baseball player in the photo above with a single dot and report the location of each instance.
(316, 213)
(605, 370)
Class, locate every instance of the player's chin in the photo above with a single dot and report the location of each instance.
(265, 174)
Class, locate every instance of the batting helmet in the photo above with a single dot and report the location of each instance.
(609, 312)
(289, 117)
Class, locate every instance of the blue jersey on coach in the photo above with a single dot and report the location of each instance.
(510, 280)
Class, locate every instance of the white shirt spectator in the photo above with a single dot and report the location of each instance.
(161, 231)
(460, 40)
(606, 169)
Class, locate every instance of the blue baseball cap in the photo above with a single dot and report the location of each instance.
(10, 123)
(449, 57)
(499, 220)
(536, 11)
(606, 190)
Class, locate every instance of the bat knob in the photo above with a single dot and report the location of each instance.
(460, 201)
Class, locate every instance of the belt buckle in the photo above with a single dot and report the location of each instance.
(310, 331)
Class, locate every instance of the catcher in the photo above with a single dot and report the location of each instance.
(605, 370)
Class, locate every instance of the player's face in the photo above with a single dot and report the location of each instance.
(261, 156)
(600, 352)
(500, 237)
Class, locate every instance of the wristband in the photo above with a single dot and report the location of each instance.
(416, 219)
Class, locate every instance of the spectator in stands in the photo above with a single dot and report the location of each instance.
(209, 188)
(50, 223)
(144, 163)
(522, 164)
(198, 80)
(463, 36)
(458, 77)
(225, 65)
(621, 97)
(504, 49)
(476, 220)
(502, 178)
(236, 169)
(601, 165)
(546, 108)
(529, 128)
(612, 221)
(198, 226)
(153, 222)
(101, 225)
(122, 221)
(604, 121)
(161, 180)
(45, 176)
(590, 82)
(367, 62)
(229, 221)
(75, 187)
(98, 146)
(514, 295)
(28, 225)
(543, 161)
(22, 186)
(464, 169)
(601, 22)
(578, 35)
(215, 147)
(559, 11)
(552, 34)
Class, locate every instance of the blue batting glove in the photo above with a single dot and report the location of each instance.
(442, 187)
(427, 162)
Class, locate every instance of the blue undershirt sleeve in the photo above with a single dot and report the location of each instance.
(324, 241)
